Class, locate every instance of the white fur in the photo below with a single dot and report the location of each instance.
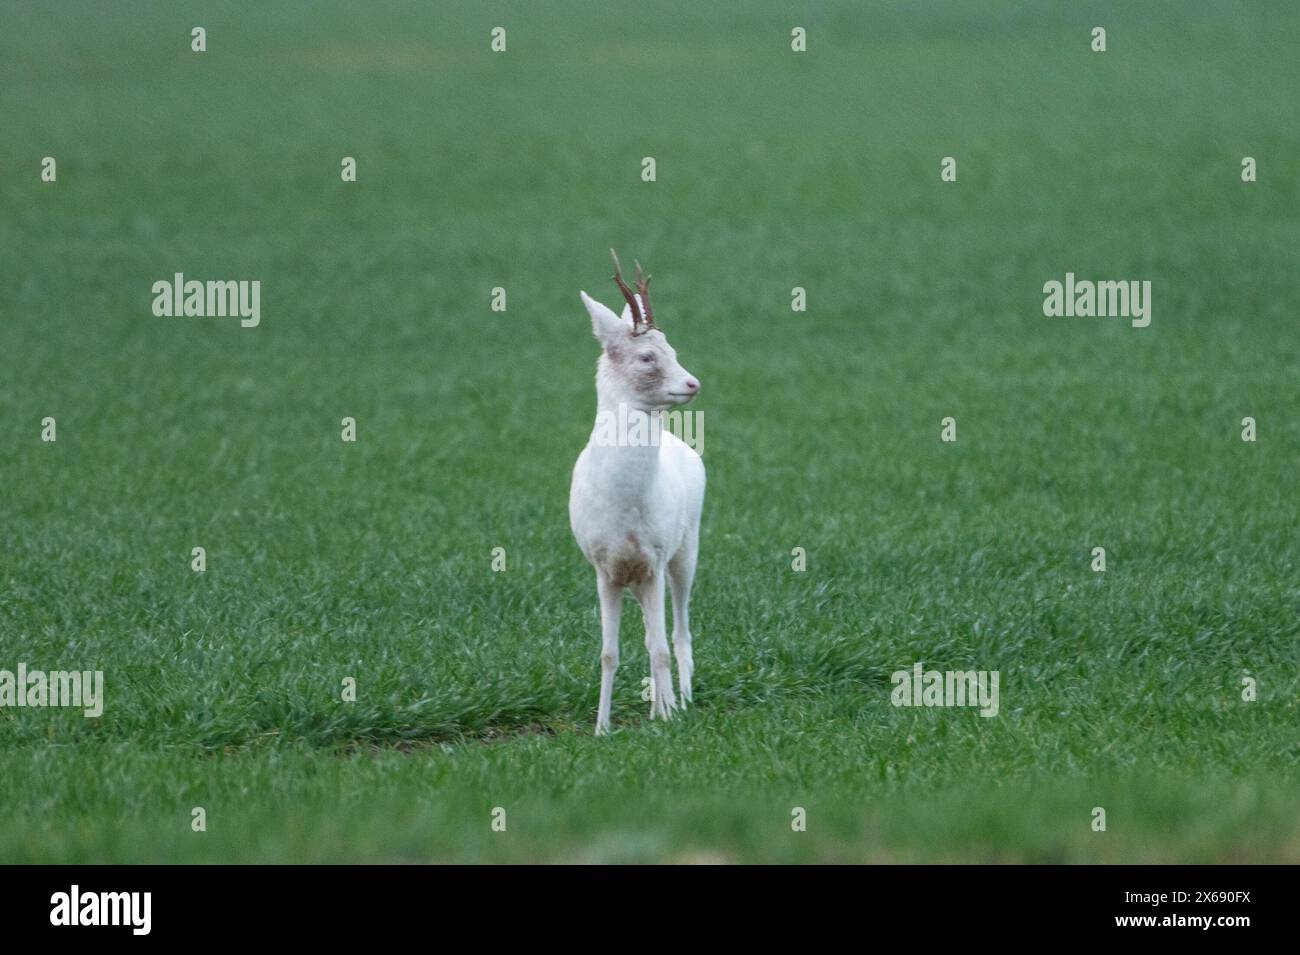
(635, 507)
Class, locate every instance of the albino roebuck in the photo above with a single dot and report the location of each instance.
(637, 493)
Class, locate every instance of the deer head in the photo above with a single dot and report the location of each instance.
(637, 365)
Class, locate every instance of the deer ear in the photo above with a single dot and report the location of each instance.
(605, 325)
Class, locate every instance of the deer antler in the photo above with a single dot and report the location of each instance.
(643, 318)
(643, 286)
(627, 294)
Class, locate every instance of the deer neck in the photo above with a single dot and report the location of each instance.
(625, 444)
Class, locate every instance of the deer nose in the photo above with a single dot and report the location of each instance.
(692, 385)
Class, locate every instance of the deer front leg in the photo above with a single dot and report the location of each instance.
(611, 605)
(681, 572)
(651, 597)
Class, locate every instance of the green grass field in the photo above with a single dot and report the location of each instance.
(476, 689)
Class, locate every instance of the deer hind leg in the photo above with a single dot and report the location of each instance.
(681, 573)
(650, 594)
(611, 605)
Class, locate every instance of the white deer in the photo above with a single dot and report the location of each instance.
(637, 492)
